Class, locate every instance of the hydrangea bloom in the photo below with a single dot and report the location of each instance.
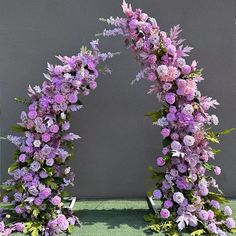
(41, 172)
(183, 119)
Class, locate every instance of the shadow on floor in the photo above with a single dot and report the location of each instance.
(114, 218)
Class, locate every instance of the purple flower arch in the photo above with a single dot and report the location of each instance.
(182, 184)
(41, 172)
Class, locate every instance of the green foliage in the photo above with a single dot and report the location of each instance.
(198, 232)
(32, 228)
(155, 115)
(216, 151)
(233, 231)
(14, 166)
(166, 142)
(156, 174)
(195, 73)
(50, 183)
(22, 100)
(217, 197)
(214, 136)
(35, 211)
(70, 229)
(158, 225)
(208, 166)
(18, 128)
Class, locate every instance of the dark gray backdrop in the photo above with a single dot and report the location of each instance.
(118, 141)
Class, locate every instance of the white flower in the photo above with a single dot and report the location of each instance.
(161, 122)
(181, 62)
(63, 116)
(214, 119)
(67, 76)
(162, 70)
(189, 140)
(37, 143)
(175, 145)
(188, 109)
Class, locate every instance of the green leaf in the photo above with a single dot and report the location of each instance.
(18, 128)
(208, 166)
(217, 197)
(227, 131)
(14, 166)
(50, 183)
(22, 100)
(166, 142)
(198, 232)
(70, 229)
(233, 231)
(155, 115)
(213, 137)
(216, 151)
(35, 212)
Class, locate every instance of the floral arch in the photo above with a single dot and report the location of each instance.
(40, 171)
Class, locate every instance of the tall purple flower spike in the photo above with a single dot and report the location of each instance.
(41, 171)
(182, 182)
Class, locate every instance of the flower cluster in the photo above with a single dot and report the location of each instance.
(40, 171)
(183, 187)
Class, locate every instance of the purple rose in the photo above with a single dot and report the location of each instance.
(45, 193)
(62, 222)
(56, 201)
(160, 161)
(22, 158)
(170, 98)
(46, 137)
(157, 194)
(59, 98)
(32, 115)
(54, 128)
(38, 201)
(168, 204)
(164, 213)
(165, 132)
(19, 227)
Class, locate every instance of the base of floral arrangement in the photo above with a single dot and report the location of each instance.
(70, 201)
(152, 205)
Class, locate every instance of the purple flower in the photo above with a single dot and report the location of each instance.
(59, 98)
(217, 170)
(38, 201)
(19, 227)
(35, 166)
(33, 191)
(160, 161)
(54, 128)
(165, 132)
(22, 157)
(2, 226)
(215, 204)
(212, 228)
(56, 201)
(62, 222)
(178, 197)
(45, 193)
(203, 215)
(32, 115)
(170, 98)
(46, 137)
(164, 213)
(230, 223)
(227, 211)
(157, 194)
(168, 204)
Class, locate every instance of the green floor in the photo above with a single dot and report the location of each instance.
(114, 218)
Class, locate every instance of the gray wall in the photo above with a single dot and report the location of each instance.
(118, 141)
